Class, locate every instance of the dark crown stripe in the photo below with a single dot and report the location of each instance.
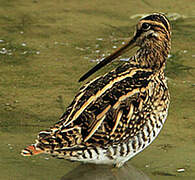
(158, 18)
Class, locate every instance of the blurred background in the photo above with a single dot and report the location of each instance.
(45, 46)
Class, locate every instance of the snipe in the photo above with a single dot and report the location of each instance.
(117, 115)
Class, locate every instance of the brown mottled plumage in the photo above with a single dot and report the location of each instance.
(117, 115)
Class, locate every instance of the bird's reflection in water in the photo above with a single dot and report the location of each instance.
(102, 172)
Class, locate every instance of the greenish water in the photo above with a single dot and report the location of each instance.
(45, 46)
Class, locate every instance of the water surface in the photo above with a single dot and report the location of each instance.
(45, 46)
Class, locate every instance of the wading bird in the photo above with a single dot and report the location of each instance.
(116, 115)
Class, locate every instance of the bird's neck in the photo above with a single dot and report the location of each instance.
(152, 55)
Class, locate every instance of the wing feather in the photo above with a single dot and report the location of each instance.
(106, 105)
(119, 115)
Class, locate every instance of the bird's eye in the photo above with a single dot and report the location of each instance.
(145, 26)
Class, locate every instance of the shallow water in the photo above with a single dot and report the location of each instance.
(45, 46)
(102, 172)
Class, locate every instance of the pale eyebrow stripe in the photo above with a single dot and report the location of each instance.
(155, 23)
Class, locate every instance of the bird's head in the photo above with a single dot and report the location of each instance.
(153, 33)
(154, 28)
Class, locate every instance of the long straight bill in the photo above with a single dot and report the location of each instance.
(130, 44)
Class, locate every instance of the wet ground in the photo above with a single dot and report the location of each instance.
(45, 46)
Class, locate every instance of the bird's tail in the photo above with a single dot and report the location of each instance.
(38, 147)
(31, 150)
(54, 142)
